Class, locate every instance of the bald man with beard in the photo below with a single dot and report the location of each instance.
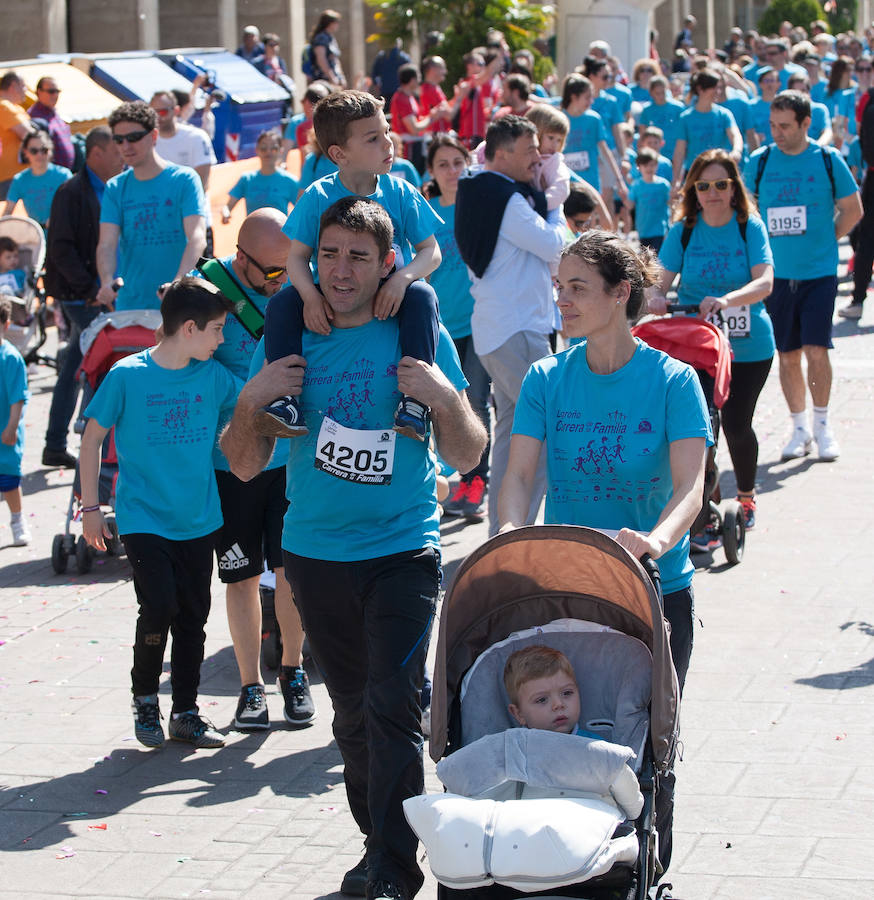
(253, 511)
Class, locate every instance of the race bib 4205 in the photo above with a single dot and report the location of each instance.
(363, 457)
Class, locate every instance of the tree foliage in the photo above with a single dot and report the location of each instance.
(798, 12)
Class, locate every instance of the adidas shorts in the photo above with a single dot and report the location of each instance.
(252, 532)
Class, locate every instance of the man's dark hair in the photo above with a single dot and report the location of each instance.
(646, 155)
(506, 131)
(518, 83)
(193, 299)
(10, 78)
(795, 102)
(579, 202)
(137, 112)
(42, 82)
(407, 73)
(363, 216)
(333, 115)
(99, 136)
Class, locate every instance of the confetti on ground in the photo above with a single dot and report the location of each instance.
(183, 859)
(100, 827)
(328, 809)
(66, 853)
(74, 815)
(841, 737)
(155, 833)
(101, 791)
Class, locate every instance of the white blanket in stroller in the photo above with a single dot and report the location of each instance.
(529, 809)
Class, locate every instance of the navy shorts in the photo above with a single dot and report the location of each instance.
(9, 482)
(802, 312)
(252, 533)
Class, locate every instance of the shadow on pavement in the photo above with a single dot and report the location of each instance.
(106, 570)
(773, 474)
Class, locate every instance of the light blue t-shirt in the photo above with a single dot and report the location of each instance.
(404, 169)
(802, 180)
(760, 114)
(819, 120)
(13, 389)
(451, 279)
(608, 109)
(37, 191)
(12, 282)
(276, 191)
(150, 215)
(351, 378)
(854, 157)
(581, 146)
(623, 97)
(842, 103)
(608, 441)
(704, 131)
(665, 116)
(315, 167)
(663, 170)
(651, 206)
(640, 94)
(817, 91)
(411, 215)
(719, 260)
(166, 422)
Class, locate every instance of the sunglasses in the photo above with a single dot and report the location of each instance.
(133, 138)
(33, 151)
(721, 184)
(863, 69)
(273, 273)
(51, 90)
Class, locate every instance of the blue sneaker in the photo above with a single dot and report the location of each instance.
(147, 721)
(194, 729)
(412, 419)
(295, 686)
(282, 418)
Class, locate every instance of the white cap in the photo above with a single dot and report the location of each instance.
(252, 29)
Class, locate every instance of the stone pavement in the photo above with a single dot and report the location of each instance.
(773, 794)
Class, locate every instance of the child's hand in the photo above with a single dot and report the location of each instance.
(8, 435)
(95, 529)
(317, 315)
(388, 299)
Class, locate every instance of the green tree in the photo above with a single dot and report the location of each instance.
(798, 12)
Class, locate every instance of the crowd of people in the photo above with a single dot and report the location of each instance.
(433, 254)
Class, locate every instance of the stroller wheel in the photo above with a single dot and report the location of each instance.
(734, 532)
(84, 556)
(59, 554)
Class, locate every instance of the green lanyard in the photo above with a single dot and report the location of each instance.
(248, 315)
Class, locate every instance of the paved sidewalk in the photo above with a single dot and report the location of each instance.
(774, 792)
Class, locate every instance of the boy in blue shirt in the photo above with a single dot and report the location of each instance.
(351, 129)
(650, 196)
(165, 404)
(11, 277)
(13, 396)
(269, 186)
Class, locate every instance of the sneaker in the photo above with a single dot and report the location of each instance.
(385, 890)
(454, 506)
(748, 505)
(698, 543)
(281, 418)
(851, 311)
(706, 540)
(829, 449)
(295, 686)
(147, 721)
(58, 459)
(800, 444)
(194, 729)
(252, 708)
(412, 419)
(21, 535)
(473, 503)
(355, 880)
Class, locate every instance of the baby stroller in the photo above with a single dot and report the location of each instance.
(705, 347)
(578, 591)
(27, 328)
(109, 338)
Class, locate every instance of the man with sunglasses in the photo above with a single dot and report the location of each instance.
(47, 95)
(253, 510)
(154, 214)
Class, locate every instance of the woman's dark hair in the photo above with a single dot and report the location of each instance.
(687, 207)
(617, 261)
(840, 67)
(430, 189)
(328, 17)
(572, 86)
(702, 81)
(592, 66)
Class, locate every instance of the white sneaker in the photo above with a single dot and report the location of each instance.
(829, 449)
(851, 311)
(20, 534)
(800, 444)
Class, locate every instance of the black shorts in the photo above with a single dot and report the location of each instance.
(802, 312)
(252, 532)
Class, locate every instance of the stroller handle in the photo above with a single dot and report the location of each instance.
(652, 569)
(682, 307)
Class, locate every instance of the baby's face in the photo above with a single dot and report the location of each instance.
(550, 143)
(8, 260)
(551, 704)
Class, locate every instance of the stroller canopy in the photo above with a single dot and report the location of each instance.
(535, 575)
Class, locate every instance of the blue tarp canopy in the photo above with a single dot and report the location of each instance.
(240, 80)
(136, 76)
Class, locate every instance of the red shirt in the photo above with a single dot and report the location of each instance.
(472, 115)
(403, 105)
(431, 95)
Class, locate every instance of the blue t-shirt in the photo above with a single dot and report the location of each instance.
(37, 191)
(623, 97)
(640, 95)
(817, 91)
(581, 145)
(666, 116)
(704, 131)
(165, 430)
(275, 191)
(819, 120)
(854, 157)
(13, 389)
(608, 109)
(150, 215)
(404, 169)
(651, 206)
(411, 215)
(291, 128)
(608, 441)
(760, 114)
(451, 279)
(12, 282)
(842, 103)
(719, 260)
(351, 379)
(802, 180)
(315, 167)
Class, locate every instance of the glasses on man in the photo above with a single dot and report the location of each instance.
(270, 273)
(53, 90)
(863, 68)
(37, 151)
(721, 185)
(133, 138)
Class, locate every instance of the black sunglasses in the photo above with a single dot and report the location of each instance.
(133, 138)
(51, 90)
(35, 150)
(273, 273)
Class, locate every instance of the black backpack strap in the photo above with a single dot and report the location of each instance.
(829, 169)
(760, 170)
(686, 236)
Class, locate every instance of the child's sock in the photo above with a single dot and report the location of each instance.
(15, 518)
(799, 420)
(820, 419)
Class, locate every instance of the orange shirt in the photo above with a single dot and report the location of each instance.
(11, 114)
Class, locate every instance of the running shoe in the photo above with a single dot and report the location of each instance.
(412, 419)
(281, 418)
(58, 459)
(706, 540)
(748, 505)
(826, 443)
(454, 506)
(295, 687)
(851, 311)
(21, 535)
(252, 708)
(147, 721)
(800, 444)
(194, 729)
(385, 890)
(472, 508)
(355, 880)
